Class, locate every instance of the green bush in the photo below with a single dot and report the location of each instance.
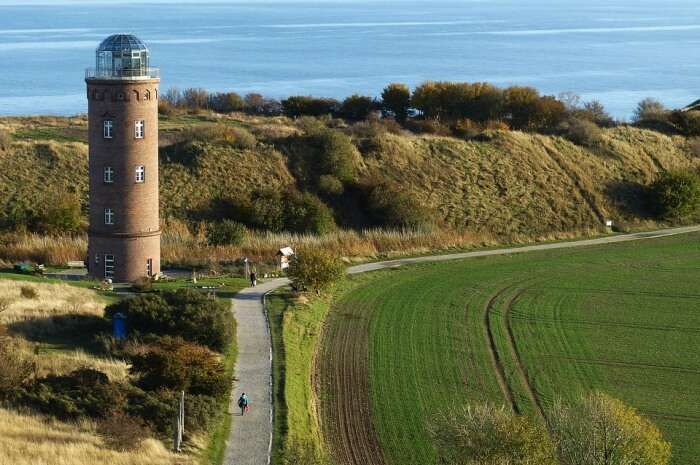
(330, 185)
(82, 393)
(183, 312)
(226, 232)
(174, 364)
(321, 152)
(393, 207)
(489, 435)
(676, 194)
(315, 269)
(582, 132)
(158, 409)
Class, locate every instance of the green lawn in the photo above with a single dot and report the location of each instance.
(623, 318)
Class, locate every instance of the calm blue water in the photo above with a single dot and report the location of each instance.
(618, 51)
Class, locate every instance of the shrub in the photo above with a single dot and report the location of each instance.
(28, 292)
(687, 122)
(242, 138)
(357, 107)
(582, 132)
(489, 435)
(142, 284)
(676, 194)
(61, 213)
(606, 431)
(650, 110)
(315, 269)
(396, 100)
(390, 206)
(183, 312)
(694, 146)
(82, 393)
(309, 106)
(324, 151)
(122, 432)
(226, 232)
(17, 365)
(158, 409)
(329, 184)
(172, 363)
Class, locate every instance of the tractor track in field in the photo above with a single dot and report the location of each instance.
(343, 377)
(520, 367)
(493, 351)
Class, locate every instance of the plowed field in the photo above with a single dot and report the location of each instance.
(520, 330)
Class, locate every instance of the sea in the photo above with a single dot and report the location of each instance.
(615, 51)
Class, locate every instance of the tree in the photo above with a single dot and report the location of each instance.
(315, 269)
(226, 102)
(195, 98)
(396, 100)
(490, 435)
(601, 430)
(650, 109)
(676, 194)
(300, 105)
(357, 107)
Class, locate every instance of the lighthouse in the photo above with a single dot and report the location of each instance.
(122, 92)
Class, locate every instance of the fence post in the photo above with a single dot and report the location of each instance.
(179, 423)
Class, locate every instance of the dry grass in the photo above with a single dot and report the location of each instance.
(37, 317)
(52, 300)
(33, 440)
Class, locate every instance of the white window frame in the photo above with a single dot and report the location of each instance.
(109, 216)
(109, 266)
(97, 259)
(107, 129)
(140, 174)
(139, 129)
(149, 267)
(108, 177)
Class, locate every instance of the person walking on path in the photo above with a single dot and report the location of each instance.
(253, 279)
(243, 403)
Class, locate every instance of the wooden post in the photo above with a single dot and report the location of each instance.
(179, 423)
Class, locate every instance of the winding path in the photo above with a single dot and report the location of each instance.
(250, 440)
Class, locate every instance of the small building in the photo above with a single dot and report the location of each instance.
(283, 256)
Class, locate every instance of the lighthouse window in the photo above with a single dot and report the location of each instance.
(109, 175)
(107, 128)
(109, 216)
(140, 173)
(138, 129)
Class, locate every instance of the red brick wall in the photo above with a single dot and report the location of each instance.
(135, 235)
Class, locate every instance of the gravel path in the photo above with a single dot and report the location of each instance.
(251, 436)
(250, 439)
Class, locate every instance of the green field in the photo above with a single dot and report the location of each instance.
(520, 330)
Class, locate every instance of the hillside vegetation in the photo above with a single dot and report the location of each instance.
(314, 175)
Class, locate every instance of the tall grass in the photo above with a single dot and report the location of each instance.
(182, 247)
(34, 440)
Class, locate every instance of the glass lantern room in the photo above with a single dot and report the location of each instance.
(122, 56)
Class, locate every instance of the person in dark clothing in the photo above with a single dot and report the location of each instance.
(243, 403)
(253, 279)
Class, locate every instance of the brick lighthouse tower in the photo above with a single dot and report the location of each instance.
(122, 92)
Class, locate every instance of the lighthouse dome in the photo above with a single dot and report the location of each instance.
(122, 56)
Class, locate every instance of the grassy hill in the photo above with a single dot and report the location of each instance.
(506, 186)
